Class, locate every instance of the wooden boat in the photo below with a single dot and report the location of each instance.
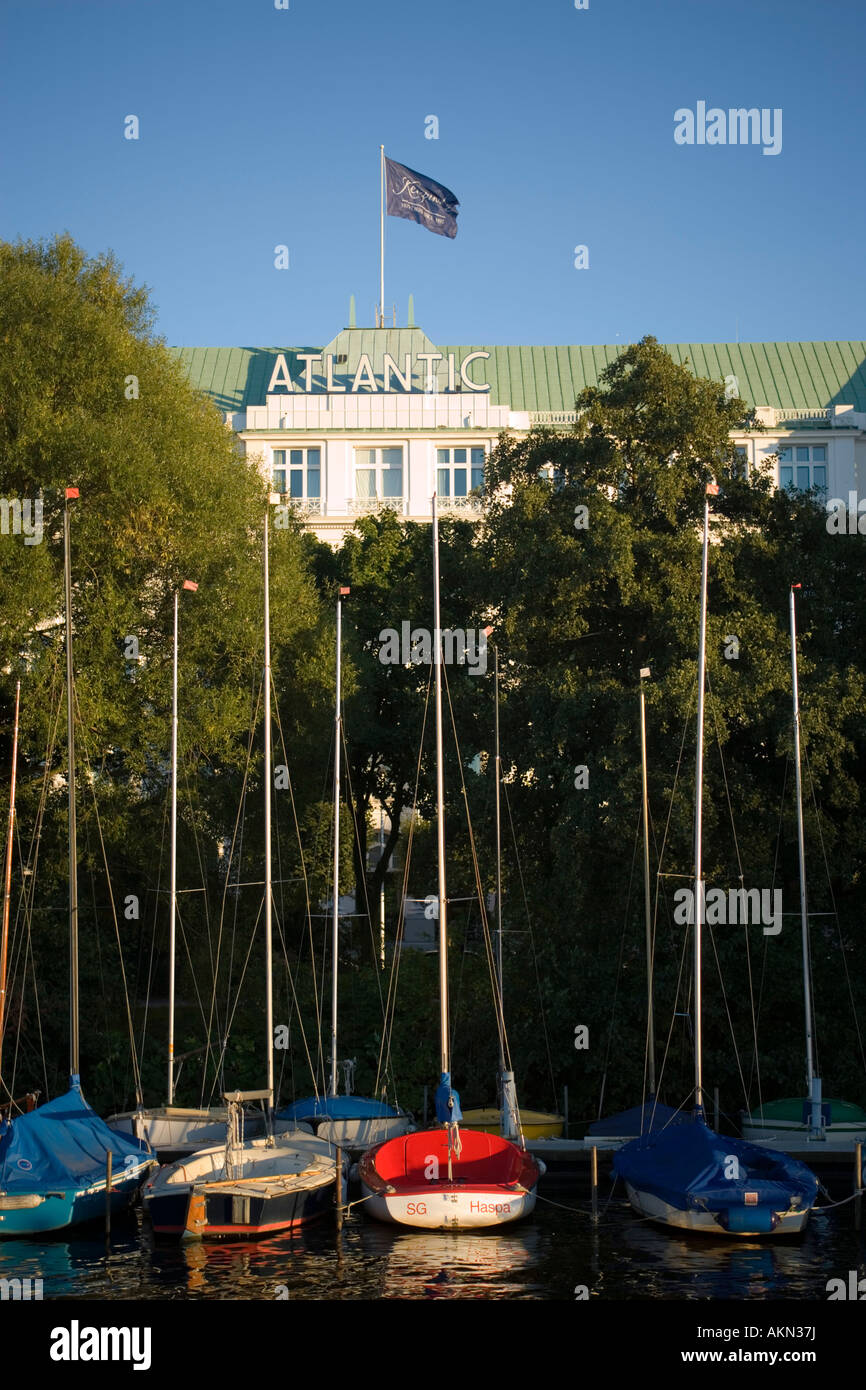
(684, 1174)
(249, 1187)
(444, 1177)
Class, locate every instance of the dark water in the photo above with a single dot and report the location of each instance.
(544, 1258)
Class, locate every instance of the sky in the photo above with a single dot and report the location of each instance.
(260, 127)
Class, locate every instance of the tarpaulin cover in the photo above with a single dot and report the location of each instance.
(690, 1161)
(336, 1108)
(638, 1120)
(61, 1144)
(447, 1101)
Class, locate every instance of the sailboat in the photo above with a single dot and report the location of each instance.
(618, 1129)
(506, 1119)
(171, 1130)
(685, 1175)
(55, 1160)
(444, 1177)
(353, 1122)
(249, 1187)
(809, 1123)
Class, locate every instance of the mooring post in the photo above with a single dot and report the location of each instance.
(339, 1198)
(108, 1197)
(565, 1112)
(858, 1185)
(594, 1183)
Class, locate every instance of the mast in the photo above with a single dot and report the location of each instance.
(173, 872)
(650, 1021)
(712, 490)
(445, 1066)
(269, 965)
(335, 932)
(499, 973)
(71, 494)
(7, 884)
(813, 1082)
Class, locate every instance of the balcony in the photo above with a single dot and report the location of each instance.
(304, 506)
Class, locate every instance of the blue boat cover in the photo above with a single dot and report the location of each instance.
(336, 1108)
(638, 1120)
(689, 1166)
(63, 1144)
(448, 1110)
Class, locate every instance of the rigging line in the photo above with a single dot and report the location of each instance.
(376, 971)
(156, 902)
(199, 1001)
(740, 875)
(488, 942)
(764, 954)
(233, 846)
(519, 864)
(22, 936)
(205, 908)
(618, 977)
(835, 910)
(129, 1020)
(230, 1020)
(383, 1067)
(320, 1059)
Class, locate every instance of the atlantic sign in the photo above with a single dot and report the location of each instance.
(364, 378)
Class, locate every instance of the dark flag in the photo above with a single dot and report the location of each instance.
(419, 199)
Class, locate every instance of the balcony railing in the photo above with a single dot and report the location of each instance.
(473, 505)
(304, 506)
(371, 506)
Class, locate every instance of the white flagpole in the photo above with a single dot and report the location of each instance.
(381, 322)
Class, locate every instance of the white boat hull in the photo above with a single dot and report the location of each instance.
(363, 1133)
(647, 1204)
(449, 1209)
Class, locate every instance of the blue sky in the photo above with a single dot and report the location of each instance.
(261, 127)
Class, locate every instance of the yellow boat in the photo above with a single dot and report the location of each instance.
(536, 1124)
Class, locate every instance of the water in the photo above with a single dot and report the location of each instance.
(548, 1257)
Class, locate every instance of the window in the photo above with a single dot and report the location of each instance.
(297, 474)
(459, 471)
(742, 464)
(803, 466)
(379, 477)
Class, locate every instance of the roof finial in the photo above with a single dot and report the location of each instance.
(352, 323)
(411, 319)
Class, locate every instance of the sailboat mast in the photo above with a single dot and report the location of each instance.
(801, 848)
(7, 884)
(173, 871)
(71, 493)
(445, 1066)
(650, 1020)
(335, 932)
(269, 967)
(712, 490)
(499, 971)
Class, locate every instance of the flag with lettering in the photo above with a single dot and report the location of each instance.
(419, 199)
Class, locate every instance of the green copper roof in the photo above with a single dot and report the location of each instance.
(787, 376)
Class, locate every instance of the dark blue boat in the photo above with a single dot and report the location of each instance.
(53, 1167)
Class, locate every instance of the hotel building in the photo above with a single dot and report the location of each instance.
(381, 418)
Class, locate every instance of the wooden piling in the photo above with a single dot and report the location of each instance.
(565, 1112)
(108, 1197)
(594, 1183)
(339, 1197)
